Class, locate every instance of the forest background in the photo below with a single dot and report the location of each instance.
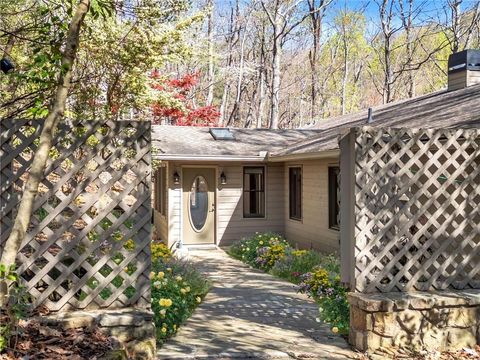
(243, 63)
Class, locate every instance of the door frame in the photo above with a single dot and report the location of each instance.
(215, 197)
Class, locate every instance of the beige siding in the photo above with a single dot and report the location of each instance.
(160, 220)
(231, 225)
(313, 230)
(174, 205)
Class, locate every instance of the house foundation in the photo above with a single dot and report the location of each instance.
(133, 328)
(442, 321)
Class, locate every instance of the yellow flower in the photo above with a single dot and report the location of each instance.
(157, 284)
(335, 329)
(178, 278)
(163, 312)
(152, 275)
(174, 327)
(165, 302)
(183, 291)
(161, 275)
(169, 269)
(261, 242)
(164, 330)
(199, 299)
(187, 288)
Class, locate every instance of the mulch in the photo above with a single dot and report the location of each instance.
(37, 341)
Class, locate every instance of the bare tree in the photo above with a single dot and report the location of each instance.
(281, 15)
(460, 25)
(317, 13)
(211, 73)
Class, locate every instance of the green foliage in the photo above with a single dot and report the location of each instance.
(160, 251)
(325, 287)
(177, 289)
(16, 304)
(261, 250)
(298, 262)
(316, 274)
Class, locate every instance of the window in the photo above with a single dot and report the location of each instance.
(254, 192)
(334, 197)
(295, 193)
(160, 187)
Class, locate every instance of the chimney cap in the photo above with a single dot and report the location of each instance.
(464, 60)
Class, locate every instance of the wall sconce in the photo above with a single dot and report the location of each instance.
(223, 178)
(176, 178)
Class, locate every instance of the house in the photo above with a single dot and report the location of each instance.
(217, 185)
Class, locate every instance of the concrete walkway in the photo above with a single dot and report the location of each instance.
(251, 315)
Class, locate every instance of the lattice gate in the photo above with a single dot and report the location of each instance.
(88, 245)
(410, 209)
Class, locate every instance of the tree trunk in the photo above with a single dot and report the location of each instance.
(235, 115)
(56, 112)
(345, 73)
(316, 17)
(261, 81)
(276, 73)
(211, 75)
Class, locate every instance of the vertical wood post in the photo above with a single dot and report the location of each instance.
(347, 208)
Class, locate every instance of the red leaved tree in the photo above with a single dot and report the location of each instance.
(174, 104)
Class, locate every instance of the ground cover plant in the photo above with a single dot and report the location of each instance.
(177, 289)
(316, 274)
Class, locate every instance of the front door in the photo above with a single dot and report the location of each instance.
(198, 206)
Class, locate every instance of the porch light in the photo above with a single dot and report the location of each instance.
(6, 65)
(176, 178)
(223, 178)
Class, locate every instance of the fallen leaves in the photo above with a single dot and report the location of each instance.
(35, 341)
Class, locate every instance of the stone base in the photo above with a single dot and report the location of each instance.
(133, 328)
(442, 321)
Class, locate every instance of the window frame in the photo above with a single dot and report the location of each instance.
(161, 190)
(264, 191)
(334, 197)
(291, 194)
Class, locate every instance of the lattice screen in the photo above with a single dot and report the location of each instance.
(88, 245)
(417, 209)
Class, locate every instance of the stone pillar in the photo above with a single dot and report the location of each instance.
(443, 321)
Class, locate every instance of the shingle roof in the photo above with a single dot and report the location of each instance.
(194, 141)
(459, 108)
(442, 109)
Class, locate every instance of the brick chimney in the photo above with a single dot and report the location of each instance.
(463, 69)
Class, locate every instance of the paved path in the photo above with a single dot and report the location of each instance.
(251, 315)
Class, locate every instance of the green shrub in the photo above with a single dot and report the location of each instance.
(298, 262)
(261, 250)
(324, 286)
(177, 289)
(316, 274)
(17, 302)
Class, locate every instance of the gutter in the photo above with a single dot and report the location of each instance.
(262, 157)
(305, 156)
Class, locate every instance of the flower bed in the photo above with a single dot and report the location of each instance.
(316, 274)
(177, 289)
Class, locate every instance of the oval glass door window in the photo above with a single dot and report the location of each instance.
(199, 203)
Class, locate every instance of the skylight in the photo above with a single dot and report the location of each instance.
(221, 134)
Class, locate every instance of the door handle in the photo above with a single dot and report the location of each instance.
(213, 208)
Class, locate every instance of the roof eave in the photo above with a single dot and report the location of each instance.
(189, 157)
(305, 156)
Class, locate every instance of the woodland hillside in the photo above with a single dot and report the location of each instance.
(245, 63)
